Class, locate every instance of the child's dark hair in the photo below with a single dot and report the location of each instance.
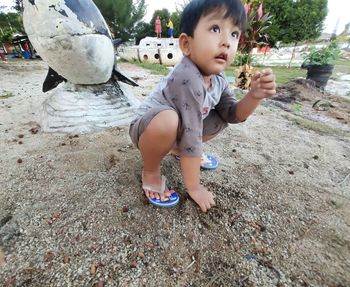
(198, 8)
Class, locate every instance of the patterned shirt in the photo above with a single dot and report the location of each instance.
(184, 91)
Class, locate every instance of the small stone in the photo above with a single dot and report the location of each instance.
(125, 209)
(19, 160)
(49, 256)
(100, 283)
(21, 136)
(133, 264)
(66, 259)
(20, 142)
(93, 269)
(34, 130)
(315, 157)
(2, 258)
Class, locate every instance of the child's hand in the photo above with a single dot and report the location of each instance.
(263, 84)
(203, 197)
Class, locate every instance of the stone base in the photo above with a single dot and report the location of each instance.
(87, 108)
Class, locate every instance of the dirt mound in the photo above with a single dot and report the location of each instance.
(301, 97)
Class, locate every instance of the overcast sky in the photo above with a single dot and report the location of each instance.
(337, 10)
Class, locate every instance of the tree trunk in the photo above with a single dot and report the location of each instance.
(293, 54)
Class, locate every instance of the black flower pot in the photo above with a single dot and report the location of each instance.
(320, 74)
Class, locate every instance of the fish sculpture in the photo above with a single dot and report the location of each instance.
(72, 37)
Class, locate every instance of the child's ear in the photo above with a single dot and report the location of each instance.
(184, 43)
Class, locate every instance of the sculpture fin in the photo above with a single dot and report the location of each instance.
(52, 80)
(117, 42)
(119, 76)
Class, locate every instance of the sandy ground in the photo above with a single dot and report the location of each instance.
(72, 212)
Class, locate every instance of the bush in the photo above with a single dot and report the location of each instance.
(322, 56)
(243, 58)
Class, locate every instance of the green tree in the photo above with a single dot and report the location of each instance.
(144, 29)
(11, 22)
(296, 20)
(122, 16)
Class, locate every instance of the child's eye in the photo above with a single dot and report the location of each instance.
(235, 35)
(215, 29)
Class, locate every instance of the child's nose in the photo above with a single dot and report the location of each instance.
(225, 40)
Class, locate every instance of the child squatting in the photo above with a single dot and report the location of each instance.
(193, 103)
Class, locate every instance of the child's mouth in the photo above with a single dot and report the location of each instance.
(222, 57)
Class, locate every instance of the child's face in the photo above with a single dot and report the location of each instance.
(214, 43)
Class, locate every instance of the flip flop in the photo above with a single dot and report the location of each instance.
(207, 162)
(170, 201)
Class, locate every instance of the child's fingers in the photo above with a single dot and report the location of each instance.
(256, 76)
(267, 85)
(267, 78)
(266, 72)
(269, 93)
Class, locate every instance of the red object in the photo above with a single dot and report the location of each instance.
(260, 11)
(158, 26)
(247, 8)
(264, 49)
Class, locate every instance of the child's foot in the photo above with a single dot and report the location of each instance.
(152, 182)
(203, 197)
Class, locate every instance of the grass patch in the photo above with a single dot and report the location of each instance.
(342, 66)
(317, 127)
(297, 107)
(6, 94)
(283, 74)
(154, 68)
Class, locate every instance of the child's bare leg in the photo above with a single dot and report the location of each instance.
(155, 142)
(208, 137)
(176, 151)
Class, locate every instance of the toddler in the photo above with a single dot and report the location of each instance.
(193, 103)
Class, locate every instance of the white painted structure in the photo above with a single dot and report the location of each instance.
(164, 51)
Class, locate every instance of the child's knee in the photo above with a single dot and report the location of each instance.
(166, 122)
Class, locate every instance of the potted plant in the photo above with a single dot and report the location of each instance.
(319, 63)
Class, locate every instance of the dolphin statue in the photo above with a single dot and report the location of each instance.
(72, 37)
